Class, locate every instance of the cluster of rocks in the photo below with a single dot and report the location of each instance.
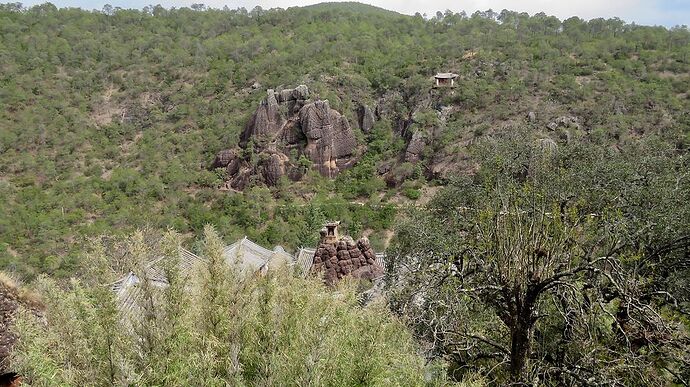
(287, 123)
(337, 259)
(415, 148)
(564, 122)
(291, 132)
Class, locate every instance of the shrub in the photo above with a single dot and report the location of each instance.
(412, 193)
(212, 326)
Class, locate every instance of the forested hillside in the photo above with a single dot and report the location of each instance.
(110, 120)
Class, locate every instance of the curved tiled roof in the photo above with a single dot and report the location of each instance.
(253, 257)
(250, 256)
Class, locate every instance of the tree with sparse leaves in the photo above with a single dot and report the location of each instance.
(515, 275)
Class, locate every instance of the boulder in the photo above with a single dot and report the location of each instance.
(223, 158)
(301, 92)
(266, 121)
(415, 148)
(343, 255)
(349, 242)
(564, 122)
(274, 168)
(331, 143)
(384, 168)
(233, 166)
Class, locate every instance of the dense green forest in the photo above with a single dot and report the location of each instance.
(109, 120)
(536, 216)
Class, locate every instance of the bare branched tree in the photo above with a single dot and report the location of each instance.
(513, 275)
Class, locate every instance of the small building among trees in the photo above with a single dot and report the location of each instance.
(445, 79)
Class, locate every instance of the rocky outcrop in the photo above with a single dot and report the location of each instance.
(564, 122)
(415, 147)
(365, 118)
(265, 122)
(274, 168)
(337, 259)
(273, 114)
(330, 141)
(288, 123)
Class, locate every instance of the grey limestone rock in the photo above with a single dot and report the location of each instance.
(366, 118)
(287, 123)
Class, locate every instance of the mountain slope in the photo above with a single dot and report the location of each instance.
(111, 121)
(350, 6)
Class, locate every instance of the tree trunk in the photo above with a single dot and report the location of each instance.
(519, 352)
(520, 343)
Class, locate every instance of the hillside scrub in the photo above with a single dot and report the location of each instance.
(214, 327)
(110, 119)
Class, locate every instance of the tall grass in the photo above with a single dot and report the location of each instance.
(214, 326)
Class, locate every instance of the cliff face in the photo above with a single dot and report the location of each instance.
(287, 123)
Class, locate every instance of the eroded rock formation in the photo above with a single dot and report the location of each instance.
(286, 124)
(366, 118)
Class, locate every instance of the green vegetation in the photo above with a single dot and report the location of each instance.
(555, 254)
(108, 120)
(214, 327)
(567, 266)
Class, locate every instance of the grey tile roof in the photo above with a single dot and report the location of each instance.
(445, 75)
(129, 295)
(253, 257)
(250, 256)
(303, 260)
